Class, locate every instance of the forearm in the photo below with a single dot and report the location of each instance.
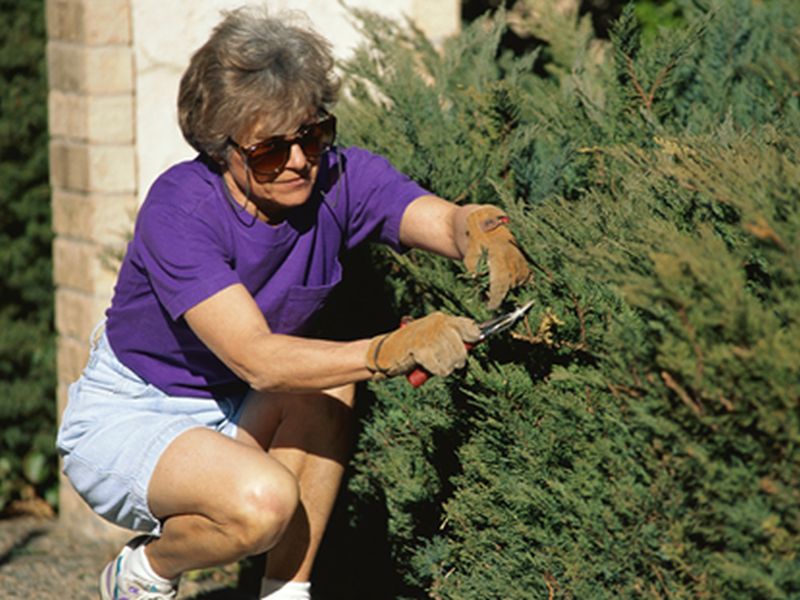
(232, 326)
(278, 362)
(436, 225)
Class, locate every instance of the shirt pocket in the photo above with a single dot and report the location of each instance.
(301, 303)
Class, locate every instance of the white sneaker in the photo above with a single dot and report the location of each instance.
(116, 586)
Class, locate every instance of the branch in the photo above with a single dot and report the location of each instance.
(635, 80)
(698, 351)
(662, 75)
(552, 586)
(648, 98)
(695, 407)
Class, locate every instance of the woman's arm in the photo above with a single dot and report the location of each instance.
(232, 326)
(467, 233)
(434, 224)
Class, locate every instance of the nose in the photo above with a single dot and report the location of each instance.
(297, 158)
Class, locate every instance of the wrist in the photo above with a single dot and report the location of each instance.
(461, 220)
(371, 362)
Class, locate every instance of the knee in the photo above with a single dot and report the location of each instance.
(262, 510)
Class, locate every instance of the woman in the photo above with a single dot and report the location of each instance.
(203, 418)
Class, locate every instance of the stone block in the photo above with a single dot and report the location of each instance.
(82, 167)
(110, 119)
(67, 115)
(92, 22)
(66, 65)
(90, 69)
(64, 20)
(107, 22)
(106, 219)
(77, 312)
(83, 266)
(112, 168)
(69, 165)
(100, 119)
(109, 70)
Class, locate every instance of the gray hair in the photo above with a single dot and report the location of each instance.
(254, 69)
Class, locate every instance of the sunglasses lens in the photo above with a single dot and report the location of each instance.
(269, 159)
(318, 137)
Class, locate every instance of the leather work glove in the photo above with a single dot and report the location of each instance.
(435, 342)
(487, 231)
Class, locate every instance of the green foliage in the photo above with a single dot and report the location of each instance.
(658, 14)
(638, 436)
(27, 412)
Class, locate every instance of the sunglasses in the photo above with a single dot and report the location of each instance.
(268, 158)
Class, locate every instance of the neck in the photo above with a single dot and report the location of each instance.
(242, 200)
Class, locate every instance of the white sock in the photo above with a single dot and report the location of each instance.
(139, 569)
(274, 589)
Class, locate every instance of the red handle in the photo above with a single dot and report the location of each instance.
(419, 376)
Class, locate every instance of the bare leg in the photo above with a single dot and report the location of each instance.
(221, 500)
(310, 434)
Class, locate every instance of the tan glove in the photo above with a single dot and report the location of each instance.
(435, 342)
(487, 232)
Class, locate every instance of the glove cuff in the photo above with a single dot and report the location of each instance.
(378, 373)
(484, 220)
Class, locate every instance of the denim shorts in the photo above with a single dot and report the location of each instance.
(115, 428)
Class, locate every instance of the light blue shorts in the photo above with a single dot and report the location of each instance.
(115, 428)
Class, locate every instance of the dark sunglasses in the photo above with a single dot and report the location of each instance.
(268, 158)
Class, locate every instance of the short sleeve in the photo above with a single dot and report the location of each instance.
(182, 251)
(378, 195)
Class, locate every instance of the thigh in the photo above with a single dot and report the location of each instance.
(301, 417)
(115, 429)
(205, 472)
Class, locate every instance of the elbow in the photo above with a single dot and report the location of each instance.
(258, 368)
(267, 382)
(265, 378)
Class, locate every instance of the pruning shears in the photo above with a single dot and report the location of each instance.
(488, 329)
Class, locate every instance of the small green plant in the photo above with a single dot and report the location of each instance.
(28, 465)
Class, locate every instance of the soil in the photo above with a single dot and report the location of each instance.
(43, 559)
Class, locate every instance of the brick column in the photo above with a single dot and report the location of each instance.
(93, 179)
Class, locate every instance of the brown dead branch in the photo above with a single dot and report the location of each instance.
(670, 382)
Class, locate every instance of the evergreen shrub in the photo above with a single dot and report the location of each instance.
(639, 434)
(28, 465)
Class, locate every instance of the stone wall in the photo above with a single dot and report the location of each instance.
(113, 67)
(92, 174)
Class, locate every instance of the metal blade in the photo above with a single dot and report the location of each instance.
(504, 322)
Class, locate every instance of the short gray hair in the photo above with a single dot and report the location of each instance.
(253, 68)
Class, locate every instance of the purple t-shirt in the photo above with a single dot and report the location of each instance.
(190, 242)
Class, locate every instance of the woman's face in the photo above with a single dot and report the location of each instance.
(289, 187)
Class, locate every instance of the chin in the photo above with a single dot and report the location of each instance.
(295, 197)
(289, 196)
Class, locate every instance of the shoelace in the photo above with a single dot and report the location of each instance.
(153, 595)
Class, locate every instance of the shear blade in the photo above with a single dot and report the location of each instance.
(504, 322)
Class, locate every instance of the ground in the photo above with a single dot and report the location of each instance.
(43, 559)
